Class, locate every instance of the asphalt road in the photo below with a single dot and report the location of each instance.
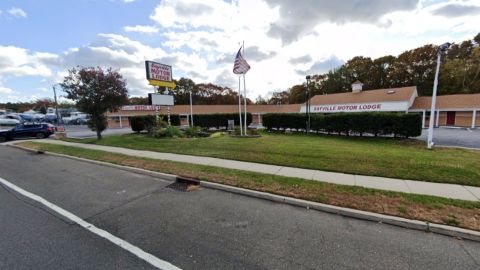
(469, 138)
(203, 229)
(32, 238)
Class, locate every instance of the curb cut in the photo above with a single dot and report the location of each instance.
(347, 212)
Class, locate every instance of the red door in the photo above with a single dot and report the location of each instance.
(450, 118)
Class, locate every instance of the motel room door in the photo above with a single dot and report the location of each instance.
(450, 118)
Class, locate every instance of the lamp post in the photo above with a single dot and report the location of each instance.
(308, 103)
(441, 50)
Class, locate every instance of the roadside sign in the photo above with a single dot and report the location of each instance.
(158, 99)
(159, 74)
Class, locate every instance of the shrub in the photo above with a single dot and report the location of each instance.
(375, 123)
(143, 122)
(168, 132)
(175, 120)
(219, 120)
(196, 132)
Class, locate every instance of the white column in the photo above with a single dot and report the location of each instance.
(474, 119)
(120, 117)
(438, 116)
(423, 118)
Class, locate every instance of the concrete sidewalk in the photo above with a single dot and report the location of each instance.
(408, 186)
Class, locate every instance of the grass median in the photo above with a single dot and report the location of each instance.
(386, 157)
(459, 213)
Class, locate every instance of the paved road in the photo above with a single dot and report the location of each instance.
(454, 137)
(210, 229)
(81, 132)
(32, 238)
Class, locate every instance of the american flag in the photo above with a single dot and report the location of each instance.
(240, 66)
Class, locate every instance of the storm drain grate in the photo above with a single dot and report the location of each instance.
(185, 184)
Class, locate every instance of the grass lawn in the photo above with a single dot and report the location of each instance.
(429, 208)
(405, 159)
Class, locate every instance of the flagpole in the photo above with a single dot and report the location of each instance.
(244, 93)
(240, 106)
(245, 104)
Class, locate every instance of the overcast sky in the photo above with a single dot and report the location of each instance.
(284, 39)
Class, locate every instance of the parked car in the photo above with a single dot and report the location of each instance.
(38, 131)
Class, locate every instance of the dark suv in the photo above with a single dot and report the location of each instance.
(38, 131)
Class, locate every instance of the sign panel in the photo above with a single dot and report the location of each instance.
(158, 99)
(358, 107)
(138, 108)
(163, 84)
(158, 72)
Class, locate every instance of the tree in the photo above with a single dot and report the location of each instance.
(297, 94)
(260, 100)
(415, 67)
(204, 93)
(461, 75)
(41, 105)
(279, 98)
(95, 92)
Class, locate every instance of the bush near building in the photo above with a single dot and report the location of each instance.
(218, 120)
(141, 123)
(375, 123)
(145, 122)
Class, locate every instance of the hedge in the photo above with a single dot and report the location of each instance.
(375, 123)
(144, 122)
(218, 120)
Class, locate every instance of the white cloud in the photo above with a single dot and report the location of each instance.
(20, 62)
(201, 37)
(5, 90)
(17, 12)
(141, 29)
(129, 1)
(43, 89)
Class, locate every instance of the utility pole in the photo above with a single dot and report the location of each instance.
(441, 50)
(56, 104)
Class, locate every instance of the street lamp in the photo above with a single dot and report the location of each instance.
(308, 103)
(441, 50)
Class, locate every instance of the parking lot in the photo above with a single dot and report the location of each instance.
(454, 137)
(82, 131)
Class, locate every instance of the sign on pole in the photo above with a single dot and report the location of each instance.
(159, 74)
(159, 99)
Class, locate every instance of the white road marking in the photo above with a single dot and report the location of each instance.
(160, 264)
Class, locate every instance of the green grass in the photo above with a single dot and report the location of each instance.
(404, 159)
(422, 207)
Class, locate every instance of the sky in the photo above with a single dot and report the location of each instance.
(285, 40)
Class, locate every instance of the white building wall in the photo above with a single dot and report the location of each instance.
(400, 106)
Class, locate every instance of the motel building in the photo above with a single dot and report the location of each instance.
(461, 110)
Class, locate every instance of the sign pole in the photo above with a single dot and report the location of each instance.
(168, 115)
(191, 108)
(157, 108)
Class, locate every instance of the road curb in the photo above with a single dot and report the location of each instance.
(347, 212)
